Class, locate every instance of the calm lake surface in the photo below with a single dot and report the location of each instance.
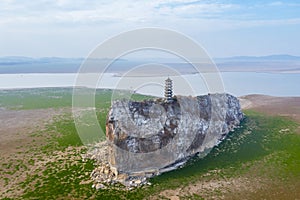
(236, 83)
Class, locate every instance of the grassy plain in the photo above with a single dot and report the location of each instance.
(260, 160)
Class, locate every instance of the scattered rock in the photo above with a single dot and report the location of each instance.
(99, 186)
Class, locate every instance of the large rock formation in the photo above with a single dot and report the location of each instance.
(149, 137)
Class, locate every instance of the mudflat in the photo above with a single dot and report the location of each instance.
(281, 106)
(16, 127)
(21, 130)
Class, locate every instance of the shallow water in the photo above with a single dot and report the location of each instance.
(236, 83)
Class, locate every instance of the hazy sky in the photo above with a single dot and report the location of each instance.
(72, 28)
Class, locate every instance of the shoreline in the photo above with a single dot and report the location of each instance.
(235, 83)
(243, 97)
(274, 106)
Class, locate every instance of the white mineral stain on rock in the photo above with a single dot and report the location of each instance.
(150, 137)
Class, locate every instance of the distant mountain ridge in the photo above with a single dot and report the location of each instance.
(22, 59)
(20, 64)
(17, 60)
(278, 57)
(271, 63)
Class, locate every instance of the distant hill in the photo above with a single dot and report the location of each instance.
(271, 63)
(274, 63)
(19, 64)
(15, 60)
(281, 57)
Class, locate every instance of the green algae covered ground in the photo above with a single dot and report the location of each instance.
(259, 160)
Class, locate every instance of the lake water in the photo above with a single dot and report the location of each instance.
(236, 83)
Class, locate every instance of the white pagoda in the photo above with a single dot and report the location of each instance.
(168, 90)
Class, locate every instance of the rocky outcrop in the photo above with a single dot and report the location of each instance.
(150, 137)
(153, 136)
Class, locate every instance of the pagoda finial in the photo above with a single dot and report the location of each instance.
(168, 90)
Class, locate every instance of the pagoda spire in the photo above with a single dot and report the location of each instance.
(168, 90)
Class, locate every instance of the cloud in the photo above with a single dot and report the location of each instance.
(276, 3)
(89, 22)
(83, 11)
(208, 15)
(198, 10)
(280, 3)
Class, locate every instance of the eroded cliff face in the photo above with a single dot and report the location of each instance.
(149, 137)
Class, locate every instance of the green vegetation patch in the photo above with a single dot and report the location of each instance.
(264, 147)
(36, 98)
(67, 177)
(42, 98)
(259, 139)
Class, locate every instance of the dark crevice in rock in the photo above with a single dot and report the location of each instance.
(153, 136)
